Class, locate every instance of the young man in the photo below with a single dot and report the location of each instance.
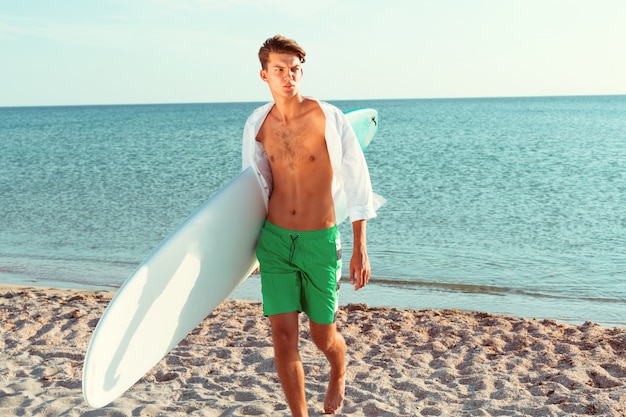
(309, 165)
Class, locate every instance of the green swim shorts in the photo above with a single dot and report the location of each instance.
(300, 271)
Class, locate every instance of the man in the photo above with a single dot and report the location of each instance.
(307, 159)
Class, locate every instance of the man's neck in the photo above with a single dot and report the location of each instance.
(288, 108)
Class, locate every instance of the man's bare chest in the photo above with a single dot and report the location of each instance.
(294, 144)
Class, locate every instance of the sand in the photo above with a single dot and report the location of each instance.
(401, 363)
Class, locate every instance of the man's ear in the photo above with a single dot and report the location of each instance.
(263, 75)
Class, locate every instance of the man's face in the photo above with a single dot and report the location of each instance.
(283, 74)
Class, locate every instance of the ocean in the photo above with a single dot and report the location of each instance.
(506, 205)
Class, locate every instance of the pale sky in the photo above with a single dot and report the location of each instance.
(175, 51)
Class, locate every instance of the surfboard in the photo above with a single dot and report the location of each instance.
(181, 281)
(364, 122)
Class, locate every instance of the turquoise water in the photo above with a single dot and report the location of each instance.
(512, 205)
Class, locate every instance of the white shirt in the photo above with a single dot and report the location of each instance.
(352, 188)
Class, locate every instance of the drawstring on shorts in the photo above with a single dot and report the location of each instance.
(292, 247)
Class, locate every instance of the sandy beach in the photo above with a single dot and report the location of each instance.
(401, 363)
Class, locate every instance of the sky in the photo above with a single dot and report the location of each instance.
(77, 52)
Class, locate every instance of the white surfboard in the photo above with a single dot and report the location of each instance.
(184, 278)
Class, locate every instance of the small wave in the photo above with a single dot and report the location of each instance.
(487, 289)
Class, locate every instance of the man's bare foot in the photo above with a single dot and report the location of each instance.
(335, 392)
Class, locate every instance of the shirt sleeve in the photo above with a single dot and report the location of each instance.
(253, 153)
(362, 204)
(246, 152)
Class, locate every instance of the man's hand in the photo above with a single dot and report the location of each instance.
(360, 269)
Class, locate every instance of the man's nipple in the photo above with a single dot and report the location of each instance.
(293, 212)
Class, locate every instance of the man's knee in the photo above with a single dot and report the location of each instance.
(285, 331)
(324, 336)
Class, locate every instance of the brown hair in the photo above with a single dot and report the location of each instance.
(280, 44)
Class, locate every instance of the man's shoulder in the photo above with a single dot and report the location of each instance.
(327, 107)
(331, 111)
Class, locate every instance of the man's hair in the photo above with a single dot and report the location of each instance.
(280, 44)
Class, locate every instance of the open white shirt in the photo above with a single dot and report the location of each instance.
(352, 188)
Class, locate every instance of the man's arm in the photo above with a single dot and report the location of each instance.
(360, 270)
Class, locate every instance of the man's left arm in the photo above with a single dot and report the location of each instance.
(360, 270)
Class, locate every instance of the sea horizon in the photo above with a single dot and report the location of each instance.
(330, 100)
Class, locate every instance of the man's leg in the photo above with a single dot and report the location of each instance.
(288, 362)
(331, 342)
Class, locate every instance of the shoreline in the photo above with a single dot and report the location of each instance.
(383, 295)
(400, 362)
